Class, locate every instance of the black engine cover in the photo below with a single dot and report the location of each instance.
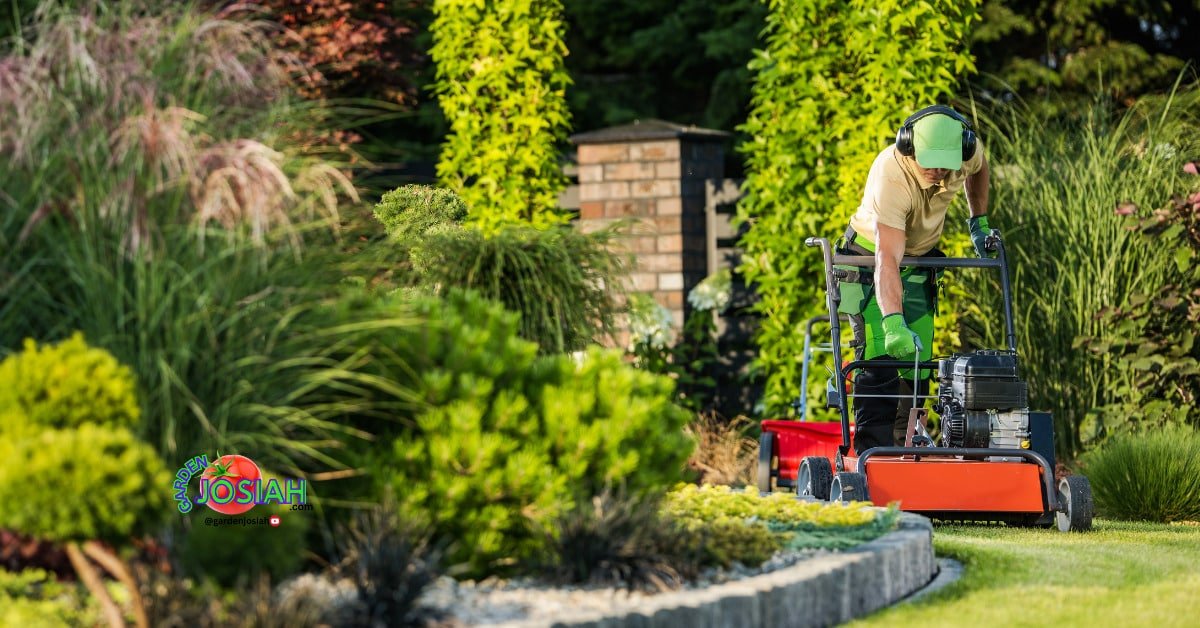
(985, 380)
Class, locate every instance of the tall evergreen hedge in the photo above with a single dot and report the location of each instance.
(834, 82)
(501, 82)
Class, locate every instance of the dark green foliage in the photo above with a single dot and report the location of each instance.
(237, 555)
(512, 440)
(390, 563)
(562, 282)
(1071, 48)
(834, 82)
(684, 61)
(81, 484)
(1152, 476)
(410, 211)
(501, 84)
(619, 540)
(64, 386)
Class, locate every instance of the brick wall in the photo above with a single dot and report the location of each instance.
(653, 173)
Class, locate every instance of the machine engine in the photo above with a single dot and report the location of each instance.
(982, 402)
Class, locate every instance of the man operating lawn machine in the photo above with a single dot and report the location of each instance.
(909, 188)
(994, 458)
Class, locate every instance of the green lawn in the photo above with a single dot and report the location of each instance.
(1120, 574)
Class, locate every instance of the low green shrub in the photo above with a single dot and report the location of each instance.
(715, 511)
(65, 385)
(86, 483)
(35, 598)
(510, 440)
(1153, 476)
(564, 283)
(236, 555)
(39, 613)
(723, 542)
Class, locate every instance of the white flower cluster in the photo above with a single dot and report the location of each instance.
(649, 322)
(713, 293)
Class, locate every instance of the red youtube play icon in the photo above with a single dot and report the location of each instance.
(274, 521)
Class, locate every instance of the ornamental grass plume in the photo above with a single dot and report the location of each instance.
(141, 116)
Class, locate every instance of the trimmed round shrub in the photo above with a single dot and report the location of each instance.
(87, 483)
(66, 385)
(1151, 476)
(410, 211)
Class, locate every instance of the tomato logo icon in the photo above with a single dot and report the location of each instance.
(220, 484)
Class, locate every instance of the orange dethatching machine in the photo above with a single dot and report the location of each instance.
(993, 459)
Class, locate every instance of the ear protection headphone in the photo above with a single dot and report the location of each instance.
(904, 137)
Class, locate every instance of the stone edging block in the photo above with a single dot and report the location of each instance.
(823, 591)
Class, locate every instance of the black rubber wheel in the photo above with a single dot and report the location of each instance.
(814, 477)
(1075, 498)
(849, 487)
(766, 461)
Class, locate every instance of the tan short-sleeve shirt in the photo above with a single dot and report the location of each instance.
(898, 196)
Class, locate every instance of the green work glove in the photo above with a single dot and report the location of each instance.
(980, 230)
(898, 340)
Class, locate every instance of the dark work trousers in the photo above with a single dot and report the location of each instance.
(880, 422)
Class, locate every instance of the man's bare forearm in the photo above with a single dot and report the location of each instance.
(977, 192)
(889, 250)
(889, 293)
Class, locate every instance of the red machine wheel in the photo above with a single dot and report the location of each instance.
(1075, 499)
(849, 487)
(766, 461)
(814, 477)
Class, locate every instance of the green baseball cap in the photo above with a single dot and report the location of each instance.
(937, 142)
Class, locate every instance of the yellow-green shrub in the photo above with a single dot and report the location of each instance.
(34, 598)
(70, 468)
(86, 483)
(511, 440)
(501, 81)
(66, 385)
(711, 510)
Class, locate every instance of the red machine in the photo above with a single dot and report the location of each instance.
(994, 459)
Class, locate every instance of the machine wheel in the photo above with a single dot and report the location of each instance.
(1075, 498)
(814, 478)
(847, 487)
(766, 459)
